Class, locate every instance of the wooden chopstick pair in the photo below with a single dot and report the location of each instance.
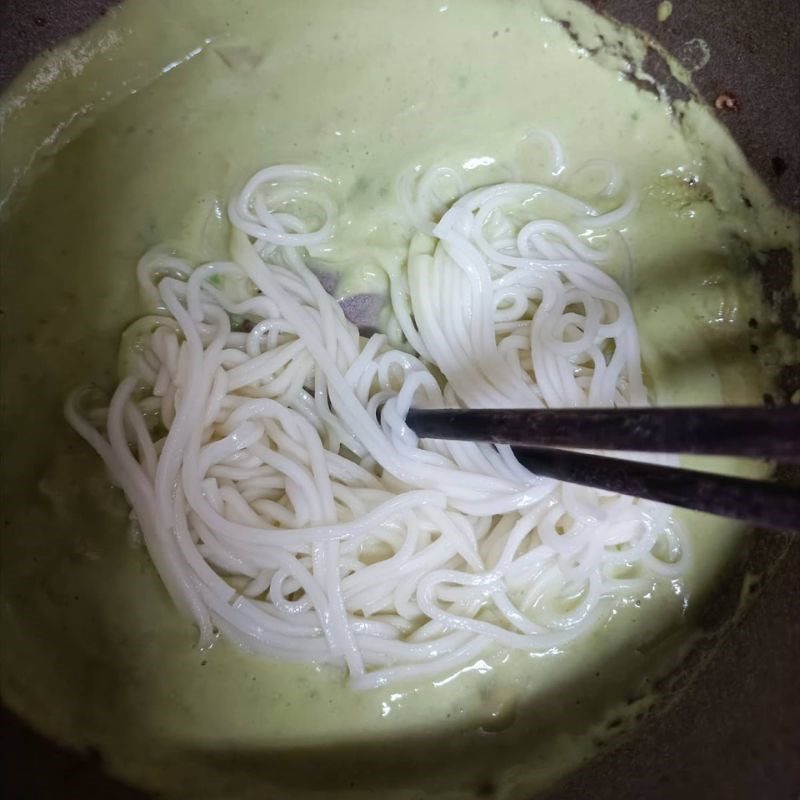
(539, 438)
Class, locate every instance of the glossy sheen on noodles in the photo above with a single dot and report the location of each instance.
(261, 441)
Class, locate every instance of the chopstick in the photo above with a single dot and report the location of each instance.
(765, 433)
(761, 503)
(752, 432)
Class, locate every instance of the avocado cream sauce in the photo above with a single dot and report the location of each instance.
(136, 133)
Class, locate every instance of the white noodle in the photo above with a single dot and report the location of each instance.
(283, 499)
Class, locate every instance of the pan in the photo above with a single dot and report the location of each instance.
(728, 721)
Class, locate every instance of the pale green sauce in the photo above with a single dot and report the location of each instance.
(136, 134)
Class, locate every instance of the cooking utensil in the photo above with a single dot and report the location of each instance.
(539, 434)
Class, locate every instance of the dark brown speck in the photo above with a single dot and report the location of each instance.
(727, 101)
